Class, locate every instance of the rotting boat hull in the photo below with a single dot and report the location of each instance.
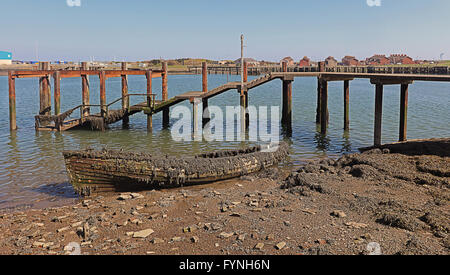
(101, 171)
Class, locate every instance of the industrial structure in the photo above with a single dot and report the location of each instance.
(5, 58)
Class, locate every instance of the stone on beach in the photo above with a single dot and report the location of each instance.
(143, 233)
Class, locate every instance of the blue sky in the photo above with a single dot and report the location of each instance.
(141, 30)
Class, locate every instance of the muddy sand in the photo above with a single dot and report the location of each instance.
(396, 197)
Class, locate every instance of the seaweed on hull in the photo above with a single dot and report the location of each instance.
(111, 170)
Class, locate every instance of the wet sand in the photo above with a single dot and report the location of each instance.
(399, 201)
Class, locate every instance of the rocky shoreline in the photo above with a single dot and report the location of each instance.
(380, 197)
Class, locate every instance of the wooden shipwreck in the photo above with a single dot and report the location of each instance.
(93, 171)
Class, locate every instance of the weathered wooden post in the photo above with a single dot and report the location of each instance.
(321, 68)
(286, 118)
(57, 92)
(44, 90)
(102, 77)
(195, 128)
(125, 98)
(165, 96)
(378, 114)
(85, 96)
(323, 106)
(403, 112)
(346, 105)
(205, 115)
(148, 75)
(12, 101)
(247, 115)
(243, 110)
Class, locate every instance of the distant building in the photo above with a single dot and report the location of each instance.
(305, 62)
(331, 62)
(225, 62)
(378, 59)
(249, 61)
(401, 59)
(5, 58)
(289, 60)
(350, 61)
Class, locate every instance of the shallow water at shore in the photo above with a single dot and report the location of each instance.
(32, 171)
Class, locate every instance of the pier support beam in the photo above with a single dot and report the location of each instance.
(85, 96)
(57, 92)
(12, 101)
(321, 68)
(195, 128)
(247, 115)
(243, 112)
(323, 106)
(165, 96)
(378, 114)
(148, 75)
(346, 105)
(44, 91)
(403, 112)
(286, 118)
(205, 114)
(125, 98)
(102, 77)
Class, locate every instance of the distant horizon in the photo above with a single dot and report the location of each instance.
(135, 30)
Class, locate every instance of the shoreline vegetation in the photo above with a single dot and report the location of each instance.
(396, 196)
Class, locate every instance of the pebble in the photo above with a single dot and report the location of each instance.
(225, 235)
(124, 197)
(338, 214)
(157, 241)
(356, 225)
(280, 245)
(143, 233)
(194, 239)
(259, 246)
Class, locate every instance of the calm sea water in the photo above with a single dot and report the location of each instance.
(32, 170)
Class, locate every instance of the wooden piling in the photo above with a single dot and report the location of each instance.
(247, 115)
(346, 105)
(57, 92)
(204, 77)
(12, 101)
(403, 112)
(165, 96)
(321, 68)
(245, 71)
(323, 106)
(102, 77)
(125, 98)
(286, 118)
(205, 114)
(243, 113)
(378, 114)
(195, 129)
(85, 96)
(148, 75)
(44, 91)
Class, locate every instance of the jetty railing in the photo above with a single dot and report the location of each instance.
(379, 78)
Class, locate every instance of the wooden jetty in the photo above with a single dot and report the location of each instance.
(59, 121)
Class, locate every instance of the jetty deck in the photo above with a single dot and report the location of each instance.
(61, 121)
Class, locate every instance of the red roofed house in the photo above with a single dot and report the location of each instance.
(288, 60)
(378, 59)
(331, 62)
(401, 59)
(305, 62)
(350, 61)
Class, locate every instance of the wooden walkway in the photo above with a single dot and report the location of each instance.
(152, 106)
